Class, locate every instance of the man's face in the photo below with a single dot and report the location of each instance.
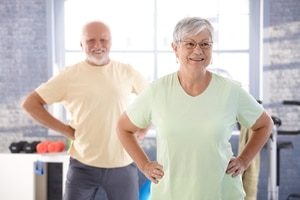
(96, 43)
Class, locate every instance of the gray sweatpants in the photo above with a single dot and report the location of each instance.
(85, 182)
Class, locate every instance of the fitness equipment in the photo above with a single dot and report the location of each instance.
(16, 147)
(293, 132)
(23, 146)
(57, 146)
(274, 148)
(30, 147)
(144, 193)
(42, 147)
(50, 147)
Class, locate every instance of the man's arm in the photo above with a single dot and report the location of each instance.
(34, 105)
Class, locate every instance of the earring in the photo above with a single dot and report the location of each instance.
(176, 60)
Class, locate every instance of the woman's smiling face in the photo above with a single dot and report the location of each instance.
(194, 51)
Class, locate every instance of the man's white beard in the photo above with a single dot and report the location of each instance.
(97, 61)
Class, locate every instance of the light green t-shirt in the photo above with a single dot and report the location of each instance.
(95, 97)
(193, 136)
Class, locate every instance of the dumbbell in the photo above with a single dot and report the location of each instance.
(42, 147)
(30, 147)
(17, 147)
(50, 147)
(23, 146)
(57, 146)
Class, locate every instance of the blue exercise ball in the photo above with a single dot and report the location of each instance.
(145, 190)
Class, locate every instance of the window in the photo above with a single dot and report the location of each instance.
(142, 34)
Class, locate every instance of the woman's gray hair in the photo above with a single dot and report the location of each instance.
(191, 26)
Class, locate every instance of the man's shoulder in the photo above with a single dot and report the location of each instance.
(75, 66)
(122, 67)
(120, 64)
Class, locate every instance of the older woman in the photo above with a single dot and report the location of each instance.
(194, 112)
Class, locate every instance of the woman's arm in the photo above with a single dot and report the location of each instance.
(261, 131)
(126, 130)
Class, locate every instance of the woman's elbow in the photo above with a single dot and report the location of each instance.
(124, 126)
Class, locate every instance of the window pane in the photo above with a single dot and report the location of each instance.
(233, 32)
(179, 9)
(233, 7)
(147, 44)
(73, 57)
(164, 35)
(129, 30)
(166, 22)
(233, 65)
(166, 64)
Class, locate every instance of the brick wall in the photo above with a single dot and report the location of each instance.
(23, 66)
(282, 82)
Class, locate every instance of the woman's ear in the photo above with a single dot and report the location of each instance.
(174, 46)
(175, 49)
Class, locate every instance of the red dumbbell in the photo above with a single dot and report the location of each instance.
(42, 147)
(57, 146)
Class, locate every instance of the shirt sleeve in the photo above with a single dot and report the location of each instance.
(249, 110)
(139, 82)
(139, 111)
(54, 89)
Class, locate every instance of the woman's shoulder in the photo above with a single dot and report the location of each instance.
(166, 78)
(164, 82)
(225, 80)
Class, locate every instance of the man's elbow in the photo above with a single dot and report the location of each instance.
(31, 101)
(25, 104)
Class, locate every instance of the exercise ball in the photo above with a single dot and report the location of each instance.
(145, 190)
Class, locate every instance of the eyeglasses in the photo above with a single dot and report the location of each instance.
(192, 44)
